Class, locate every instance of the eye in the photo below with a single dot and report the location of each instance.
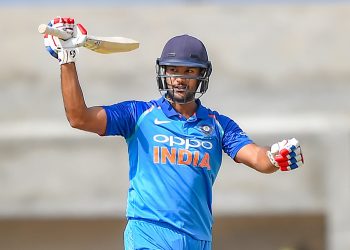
(171, 70)
(192, 71)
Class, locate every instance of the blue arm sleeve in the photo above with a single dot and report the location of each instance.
(121, 118)
(234, 138)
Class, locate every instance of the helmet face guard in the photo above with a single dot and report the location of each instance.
(183, 51)
(166, 91)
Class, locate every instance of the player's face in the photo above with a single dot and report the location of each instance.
(182, 82)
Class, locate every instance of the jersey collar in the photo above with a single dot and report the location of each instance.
(169, 111)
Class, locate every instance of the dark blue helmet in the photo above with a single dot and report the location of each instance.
(187, 51)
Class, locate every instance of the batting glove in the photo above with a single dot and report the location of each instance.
(286, 155)
(66, 51)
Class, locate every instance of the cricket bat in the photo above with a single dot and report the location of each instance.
(103, 45)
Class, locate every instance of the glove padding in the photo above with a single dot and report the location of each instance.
(286, 155)
(66, 51)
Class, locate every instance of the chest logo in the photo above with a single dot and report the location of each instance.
(206, 129)
(158, 122)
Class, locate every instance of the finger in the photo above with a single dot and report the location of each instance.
(279, 158)
(290, 162)
(290, 154)
(291, 167)
(65, 23)
(66, 20)
(294, 142)
(290, 146)
(81, 29)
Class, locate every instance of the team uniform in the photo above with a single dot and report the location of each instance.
(174, 162)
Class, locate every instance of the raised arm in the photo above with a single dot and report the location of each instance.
(91, 119)
(78, 114)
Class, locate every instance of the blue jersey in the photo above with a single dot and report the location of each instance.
(173, 161)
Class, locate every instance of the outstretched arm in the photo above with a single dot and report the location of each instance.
(255, 157)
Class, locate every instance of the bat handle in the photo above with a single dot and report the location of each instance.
(45, 29)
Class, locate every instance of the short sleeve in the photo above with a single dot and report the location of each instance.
(121, 118)
(234, 138)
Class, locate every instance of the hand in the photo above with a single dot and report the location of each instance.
(65, 51)
(286, 155)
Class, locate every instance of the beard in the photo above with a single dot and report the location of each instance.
(180, 97)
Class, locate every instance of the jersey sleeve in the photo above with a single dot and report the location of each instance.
(122, 117)
(234, 138)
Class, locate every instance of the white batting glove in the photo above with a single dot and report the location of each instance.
(286, 155)
(66, 51)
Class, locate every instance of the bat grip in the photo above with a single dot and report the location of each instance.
(45, 29)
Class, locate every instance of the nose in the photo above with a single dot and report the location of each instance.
(180, 80)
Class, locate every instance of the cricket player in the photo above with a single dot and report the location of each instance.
(175, 143)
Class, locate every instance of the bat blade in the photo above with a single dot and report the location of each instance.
(103, 45)
(107, 45)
